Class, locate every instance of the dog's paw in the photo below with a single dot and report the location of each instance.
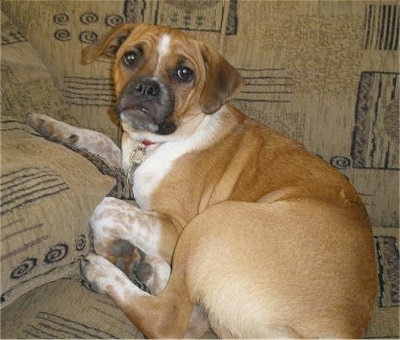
(102, 276)
(51, 129)
(132, 261)
(149, 273)
(97, 272)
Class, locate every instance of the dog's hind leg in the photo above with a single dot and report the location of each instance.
(78, 139)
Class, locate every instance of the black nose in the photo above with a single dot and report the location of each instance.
(148, 88)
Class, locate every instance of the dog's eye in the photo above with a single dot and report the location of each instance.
(131, 58)
(185, 74)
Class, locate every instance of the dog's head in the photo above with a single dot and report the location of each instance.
(163, 76)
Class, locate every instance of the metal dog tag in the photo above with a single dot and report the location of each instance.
(138, 154)
(137, 157)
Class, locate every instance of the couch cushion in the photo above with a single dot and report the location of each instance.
(64, 28)
(47, 191)
(42, 314)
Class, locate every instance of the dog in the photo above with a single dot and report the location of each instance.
(237, 227)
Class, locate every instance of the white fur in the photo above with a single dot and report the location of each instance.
(109, 279)
(116, 219)
(156, 166)
(163, 47)
(163, 50)
(161, 272)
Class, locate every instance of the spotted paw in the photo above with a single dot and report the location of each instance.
(51, 129)
(96, 271)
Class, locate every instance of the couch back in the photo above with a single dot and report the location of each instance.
(323, 73)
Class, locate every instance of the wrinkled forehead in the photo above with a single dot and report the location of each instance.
(164, 43)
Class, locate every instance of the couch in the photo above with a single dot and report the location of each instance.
(323, 73)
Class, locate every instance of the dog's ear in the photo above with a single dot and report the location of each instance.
(222, 82)
(108, 45)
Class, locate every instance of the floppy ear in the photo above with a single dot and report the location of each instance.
(222, 82)
(108, 45)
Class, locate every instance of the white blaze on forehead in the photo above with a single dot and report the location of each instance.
(163, 46)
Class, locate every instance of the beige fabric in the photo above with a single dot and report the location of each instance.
(89, 315)
(48, 194)
(26, 84)
(47, 191)
(59, 30)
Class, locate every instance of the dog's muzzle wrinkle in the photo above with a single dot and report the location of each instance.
(147, 105)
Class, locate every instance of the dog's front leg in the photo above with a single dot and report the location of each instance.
(138, 242)
(163, 316)
(119, 229)
(89, 141)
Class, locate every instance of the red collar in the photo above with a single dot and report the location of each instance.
(147, 143)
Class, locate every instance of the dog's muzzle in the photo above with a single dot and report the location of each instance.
(147, 105)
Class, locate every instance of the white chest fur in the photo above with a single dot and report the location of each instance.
(151, 172)
(159, 162)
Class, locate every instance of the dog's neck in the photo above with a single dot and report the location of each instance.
(205, 128)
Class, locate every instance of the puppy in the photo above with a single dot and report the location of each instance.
(264, 239)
